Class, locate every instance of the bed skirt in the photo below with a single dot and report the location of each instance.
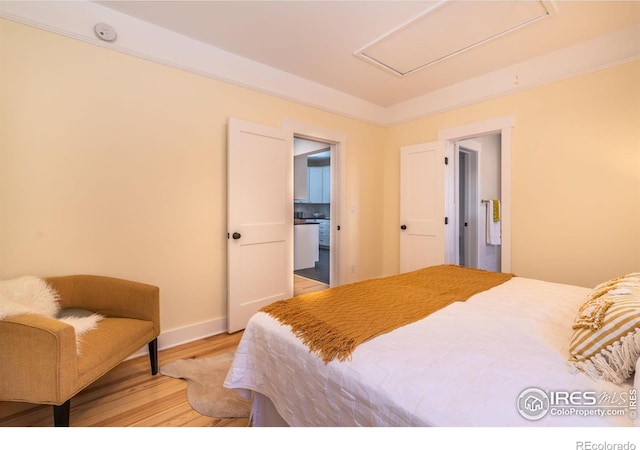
(264, 413)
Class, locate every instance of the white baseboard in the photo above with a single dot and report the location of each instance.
(179, 336)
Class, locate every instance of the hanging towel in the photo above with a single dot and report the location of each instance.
(496, 210)
(493, 225)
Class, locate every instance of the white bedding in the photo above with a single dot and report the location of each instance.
(464, 365)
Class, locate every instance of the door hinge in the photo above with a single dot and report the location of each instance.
(446, 221)
(446, 160)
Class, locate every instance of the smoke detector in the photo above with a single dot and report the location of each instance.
(105, 32)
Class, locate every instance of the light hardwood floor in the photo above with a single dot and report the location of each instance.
(303, 285)
(129, 396)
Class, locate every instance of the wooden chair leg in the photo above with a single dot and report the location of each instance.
(61, 414)
(153, 356)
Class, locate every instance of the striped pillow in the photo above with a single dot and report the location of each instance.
(606, 337)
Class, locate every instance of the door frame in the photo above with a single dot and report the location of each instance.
(472, 149)
(337, 142)
(504, 126)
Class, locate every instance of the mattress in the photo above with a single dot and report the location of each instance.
(468, 364)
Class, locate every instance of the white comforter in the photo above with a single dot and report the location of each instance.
(464, 365)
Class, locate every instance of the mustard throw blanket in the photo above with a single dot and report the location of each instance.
(335, 321)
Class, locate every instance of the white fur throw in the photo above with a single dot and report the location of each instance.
(32, 295)
(27, 295)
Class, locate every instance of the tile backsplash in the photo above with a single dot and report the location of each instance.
(309, 209)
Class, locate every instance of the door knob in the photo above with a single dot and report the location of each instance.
(236, 235)
(403, 227)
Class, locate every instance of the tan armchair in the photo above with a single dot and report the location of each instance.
(39, 362)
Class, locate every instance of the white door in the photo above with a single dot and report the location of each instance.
(260, 219)
(422, 205)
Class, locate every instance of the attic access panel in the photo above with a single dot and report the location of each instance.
(448, 29)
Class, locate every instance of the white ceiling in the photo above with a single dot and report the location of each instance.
(318, 40)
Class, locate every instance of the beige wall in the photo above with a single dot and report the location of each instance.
(575, 175)
(115, 165)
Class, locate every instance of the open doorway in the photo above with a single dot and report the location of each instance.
(312, 215)
(499, 130)
(476, 191)
(426, 240)
(336, 141)
(467, 194)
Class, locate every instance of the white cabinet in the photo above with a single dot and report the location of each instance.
(325, 233)
(306, 250)
(319, 184)
(314, 184)
(300, 178)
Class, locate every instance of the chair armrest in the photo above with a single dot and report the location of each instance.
(111, 297)
(38, 359)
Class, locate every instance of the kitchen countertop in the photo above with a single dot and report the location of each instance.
(304, 222)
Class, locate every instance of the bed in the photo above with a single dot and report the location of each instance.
(493, 359)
